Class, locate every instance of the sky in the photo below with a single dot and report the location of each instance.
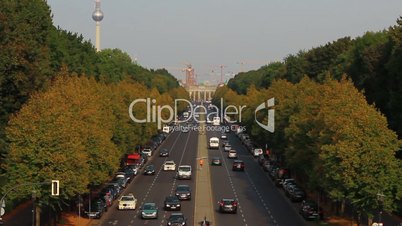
(237, 35)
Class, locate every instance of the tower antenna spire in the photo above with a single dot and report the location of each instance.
(97, 16)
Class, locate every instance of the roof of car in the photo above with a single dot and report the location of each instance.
(169, 162)
(237, 161)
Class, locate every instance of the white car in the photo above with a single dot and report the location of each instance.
(224, 136)
(147, 151)
(127, 202)
(232, 154)
(169, 166)
(257, 152)
(228, 147)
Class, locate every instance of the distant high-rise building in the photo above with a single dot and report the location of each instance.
(97, 16)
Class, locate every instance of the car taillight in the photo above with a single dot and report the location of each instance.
(220, 203)
(234, 203)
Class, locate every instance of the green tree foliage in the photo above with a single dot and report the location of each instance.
(70, 50)
(24, 58)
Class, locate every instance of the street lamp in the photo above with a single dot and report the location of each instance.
(380, 199)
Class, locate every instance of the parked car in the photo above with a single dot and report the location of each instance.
(96, 209)
(149, 210)
(176, 219)
(216, 161)
(169, 165)
(296, 194)
(147, 151)
(183, 192)
(257, 152)
(227, 205)
(127, 202)
(149, 170)
(172, 203)
(238, 165)
(310, 211)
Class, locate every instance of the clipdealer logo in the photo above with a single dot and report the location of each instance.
(270, 126)
(229, 113)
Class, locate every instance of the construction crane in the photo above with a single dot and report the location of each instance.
(221, 68)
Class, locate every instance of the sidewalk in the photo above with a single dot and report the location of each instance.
(203, 197)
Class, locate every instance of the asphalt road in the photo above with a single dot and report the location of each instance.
(260, 202)
(147, 188)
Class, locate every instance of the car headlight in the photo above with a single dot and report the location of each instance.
(188, 193)
(167, 205)
(169, 223)
(177, 194)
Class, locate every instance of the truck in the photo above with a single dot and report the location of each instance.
(134, 159)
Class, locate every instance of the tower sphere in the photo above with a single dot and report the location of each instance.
(97, 15)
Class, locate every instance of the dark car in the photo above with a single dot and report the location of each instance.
(227, 206)
(164, 152)
(238, 165)
(176, 219)
(281, 175)
(216, 161)
(172, 203)
(183, 192)
(108, 194)
(309, 210)
(296, 194)
(95, 209)
(149, 170)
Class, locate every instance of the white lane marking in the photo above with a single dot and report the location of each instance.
(175, 178)
(233, 189)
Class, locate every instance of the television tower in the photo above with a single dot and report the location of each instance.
(97, 16)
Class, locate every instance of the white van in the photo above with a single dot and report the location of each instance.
(214, 143)
(184, 172)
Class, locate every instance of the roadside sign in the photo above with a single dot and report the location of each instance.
(2, 211)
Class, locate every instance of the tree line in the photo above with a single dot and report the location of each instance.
(337, 116)
(64, 106)
(372, 61)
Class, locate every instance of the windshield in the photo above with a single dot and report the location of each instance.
(185, 168)
(149, 207)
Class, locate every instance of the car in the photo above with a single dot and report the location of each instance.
(227, 147)
(169, 165)
(224, 136)
(238, 165)
(164, 152)
(149, 211)
(127, 202)
(147, 151)
(216, 161)
(172, 203)
(183, 192)
(296, 194)
(310, 211)
(232, 154)
(227, 205)
(257, 152)
(184, 172)
(149, 170)
(224, 143)
(96, 209)
(176, 219)
(266, 166)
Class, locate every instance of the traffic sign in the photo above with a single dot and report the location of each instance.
(2, 211)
